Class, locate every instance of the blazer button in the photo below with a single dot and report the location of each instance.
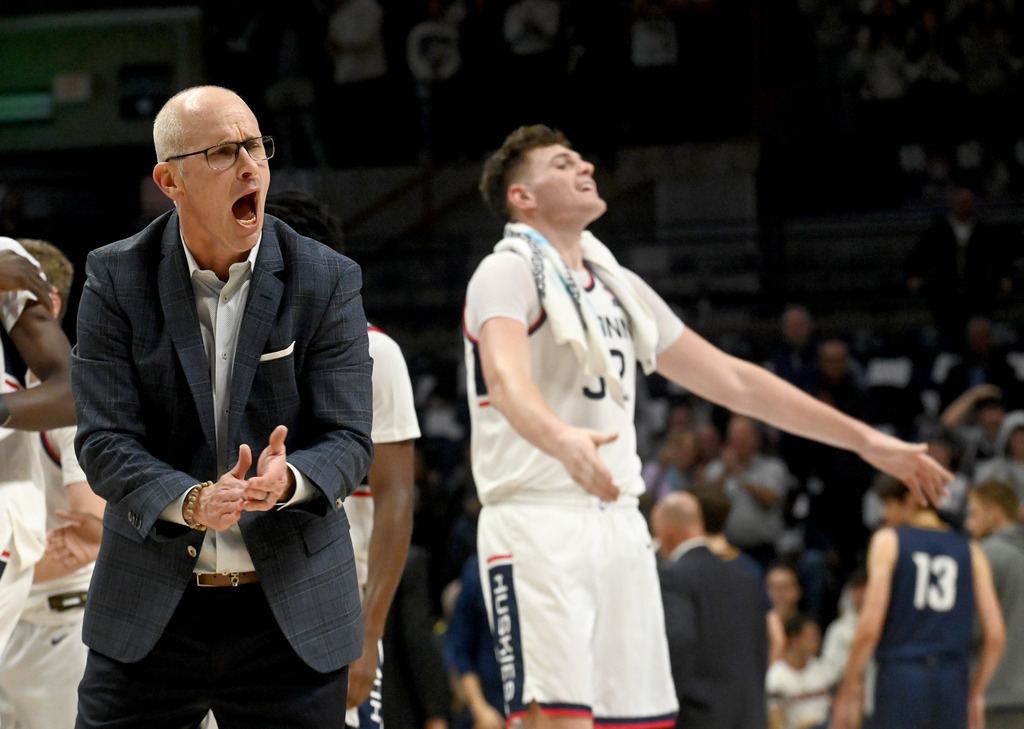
(192, 551)
(339, 503)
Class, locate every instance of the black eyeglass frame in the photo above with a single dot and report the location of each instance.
(264, 142)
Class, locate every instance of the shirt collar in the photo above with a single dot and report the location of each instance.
(684, 547)
(249, 262)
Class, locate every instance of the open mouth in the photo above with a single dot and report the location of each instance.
(244, 208)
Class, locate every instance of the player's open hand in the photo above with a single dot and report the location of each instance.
(273, 482)
(77, 542)
(911, 464)
(577, 449)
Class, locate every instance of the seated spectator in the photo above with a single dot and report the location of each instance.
(756, 484)
(973, 420)
(1008, 465)
(678, 466)
(784, 591)
(795, 359)
(799, 685)
(839, 380)
(982, 362)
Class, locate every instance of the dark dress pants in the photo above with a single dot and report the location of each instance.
(222, 650)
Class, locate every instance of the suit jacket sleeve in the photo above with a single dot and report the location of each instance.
(112, 428)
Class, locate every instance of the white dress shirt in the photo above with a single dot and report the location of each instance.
(221, 306)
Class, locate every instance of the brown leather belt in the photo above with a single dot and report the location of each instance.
(231, 579)
(67, 601)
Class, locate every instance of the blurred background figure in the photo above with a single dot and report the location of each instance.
(960, 265)
(715, 621)
(993, 520)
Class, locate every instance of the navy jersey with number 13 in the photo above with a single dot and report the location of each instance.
(931, 607)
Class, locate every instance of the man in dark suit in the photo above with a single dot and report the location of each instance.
(715, 621)
(212, 335)
(961, 265)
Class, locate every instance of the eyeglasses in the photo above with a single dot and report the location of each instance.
(222, 156)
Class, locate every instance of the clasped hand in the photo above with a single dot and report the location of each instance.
(220, 505)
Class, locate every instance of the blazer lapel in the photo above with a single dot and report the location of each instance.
(179, 307)
(265, 291)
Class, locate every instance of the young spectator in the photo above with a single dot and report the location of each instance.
(799, 685)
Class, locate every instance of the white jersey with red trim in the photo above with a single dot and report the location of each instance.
(22, 504)
(394, 421)
(60, 469)
(506, 465)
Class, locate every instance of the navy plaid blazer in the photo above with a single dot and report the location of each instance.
(146, 433)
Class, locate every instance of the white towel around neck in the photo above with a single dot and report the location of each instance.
(572, 319)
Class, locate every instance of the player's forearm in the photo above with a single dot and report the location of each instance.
(516, 397)
(389, 545)
(50, 568)
(863, 646)
(391, 480)
(991, 652)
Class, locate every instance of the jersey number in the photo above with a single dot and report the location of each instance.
(599, 393)
(938, 595)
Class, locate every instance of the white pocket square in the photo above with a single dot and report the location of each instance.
(278, 354)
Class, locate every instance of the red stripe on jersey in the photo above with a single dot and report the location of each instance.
(483, 403)
(496, 557)
(12, 383)
(50, 450)
(555, 711)
(5, 555)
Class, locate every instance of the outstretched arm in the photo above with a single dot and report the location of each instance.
(745, 388)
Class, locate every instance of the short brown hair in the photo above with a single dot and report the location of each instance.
(998, 493)
(889, 487)
(57, 267)
(502, 165)
(715, 504)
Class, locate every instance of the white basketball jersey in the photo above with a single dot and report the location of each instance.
(22, 503)
(60, 468)
(506, 465)
(394, 420)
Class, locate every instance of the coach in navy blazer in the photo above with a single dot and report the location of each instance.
(147, 435)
